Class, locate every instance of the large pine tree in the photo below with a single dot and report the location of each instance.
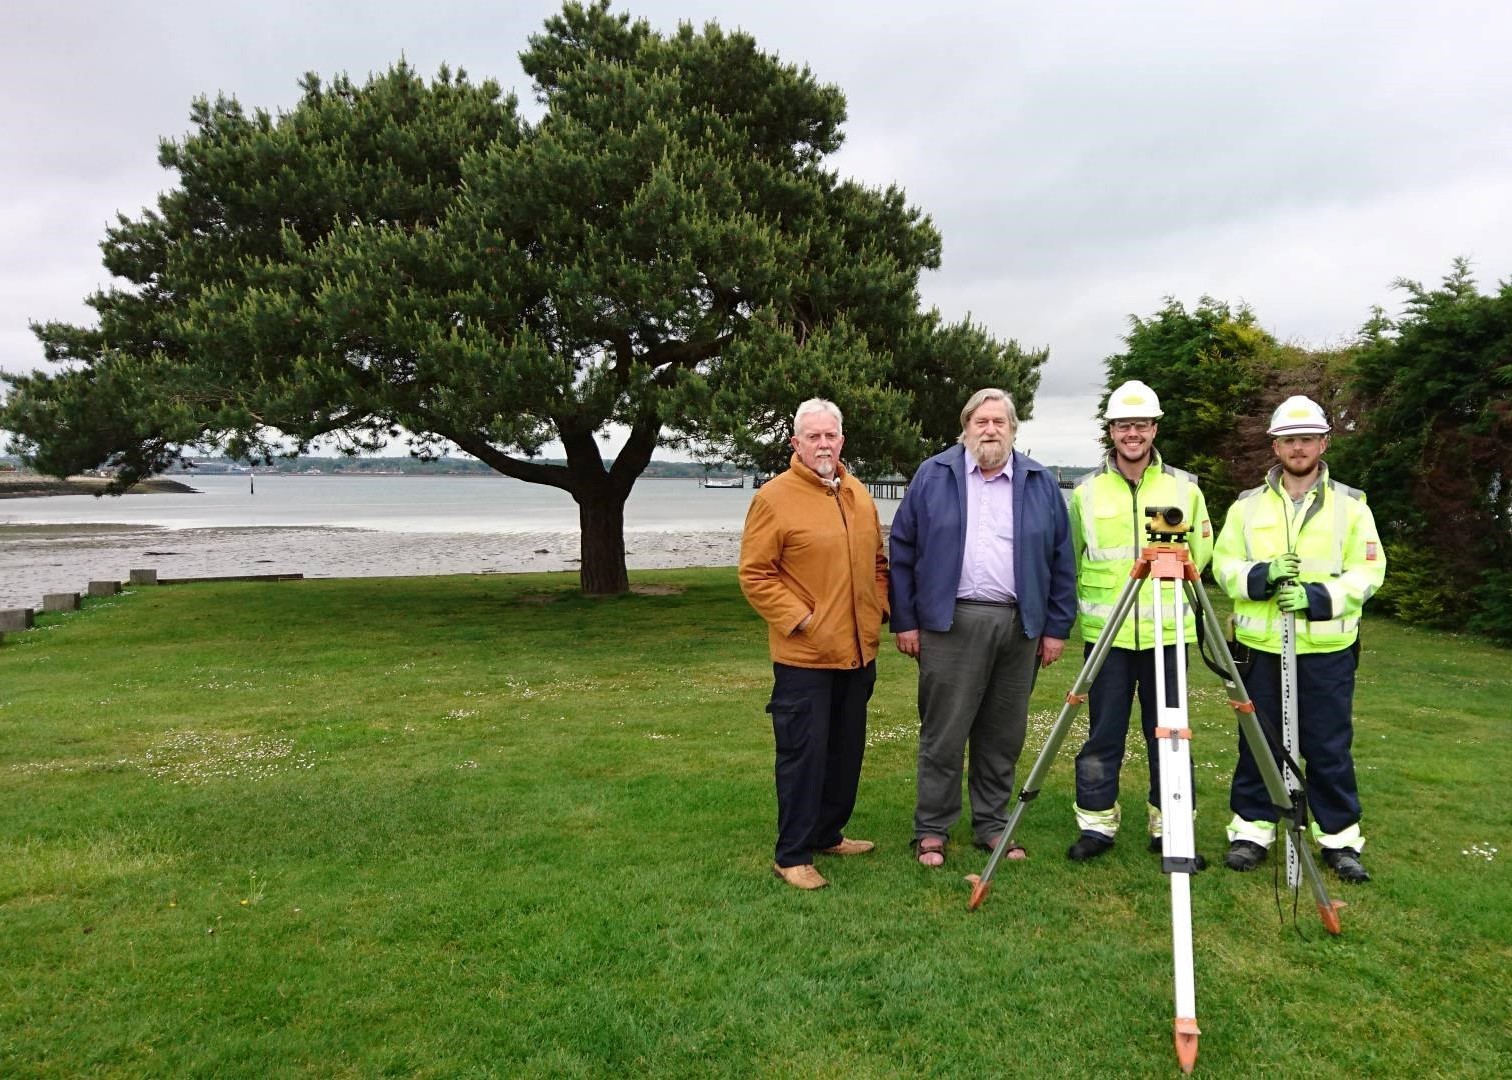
(664, 251)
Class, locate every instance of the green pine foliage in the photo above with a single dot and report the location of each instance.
(1429, 438)
(664, 250)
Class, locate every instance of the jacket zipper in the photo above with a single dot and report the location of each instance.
(1134, 511)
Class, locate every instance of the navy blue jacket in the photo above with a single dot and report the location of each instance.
(929, 538)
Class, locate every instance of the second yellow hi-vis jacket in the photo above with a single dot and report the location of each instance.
(1108, 531)
(1343, 562)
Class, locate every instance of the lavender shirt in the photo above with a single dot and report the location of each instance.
(987, 562)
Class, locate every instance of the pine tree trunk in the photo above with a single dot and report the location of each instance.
(602, 521)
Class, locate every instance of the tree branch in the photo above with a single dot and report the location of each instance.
(685, 354)
(532, 472)
(635, 455)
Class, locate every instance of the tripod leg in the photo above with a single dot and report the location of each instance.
(1074, 700)
(1178, 839)
(1179, 860)
(1265, 758)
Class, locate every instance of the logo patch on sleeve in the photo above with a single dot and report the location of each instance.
(1207, 528)
(1371, 548)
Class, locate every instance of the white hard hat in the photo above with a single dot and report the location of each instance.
(1298, 415)
(1132, 401)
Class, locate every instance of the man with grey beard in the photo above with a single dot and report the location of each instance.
(813, 567)
(983, 594)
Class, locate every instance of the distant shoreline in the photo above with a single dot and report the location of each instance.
(39, 559)
(31, 486)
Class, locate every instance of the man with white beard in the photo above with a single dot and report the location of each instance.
(813, 567)
(983, 594)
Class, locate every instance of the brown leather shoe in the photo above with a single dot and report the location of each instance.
(800, 877)
(847, 846)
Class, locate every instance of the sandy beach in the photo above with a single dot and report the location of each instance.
(40, 559)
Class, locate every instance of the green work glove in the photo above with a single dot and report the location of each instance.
(1292, 598)
(1282, 567)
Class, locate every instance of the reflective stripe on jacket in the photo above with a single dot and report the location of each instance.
(1334, 536)
(1108, 530)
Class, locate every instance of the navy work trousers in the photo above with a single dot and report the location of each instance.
(1125, 673)
(1325, 728)
(819, 720)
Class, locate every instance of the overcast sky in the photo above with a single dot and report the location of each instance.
(1081, 160)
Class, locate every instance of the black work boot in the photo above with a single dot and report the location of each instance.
(1345, 862)
(1088, 846)
(1244, 855)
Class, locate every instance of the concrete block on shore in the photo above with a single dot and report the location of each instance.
(60, 601)
(104, 588)
(21, 618)
(143, 577)
(229, 577)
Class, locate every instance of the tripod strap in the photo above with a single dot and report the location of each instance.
(1239, 654)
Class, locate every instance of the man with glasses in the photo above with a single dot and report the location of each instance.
(1107, 531)
(1306, 544)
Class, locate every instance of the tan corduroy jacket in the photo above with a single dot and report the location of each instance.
(810, 548)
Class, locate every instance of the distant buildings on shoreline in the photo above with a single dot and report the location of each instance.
(721, 475)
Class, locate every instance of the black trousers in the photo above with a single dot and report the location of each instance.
(819, 720)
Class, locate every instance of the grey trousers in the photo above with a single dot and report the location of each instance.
(974, 685)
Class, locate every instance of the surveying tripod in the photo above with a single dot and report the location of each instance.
(1166, 560)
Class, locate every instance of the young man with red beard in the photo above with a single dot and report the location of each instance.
(1306, 544)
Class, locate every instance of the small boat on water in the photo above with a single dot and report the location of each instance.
(213, 467)
(722, 482)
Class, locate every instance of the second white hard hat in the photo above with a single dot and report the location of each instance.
(1132, 401)
(1298, 415)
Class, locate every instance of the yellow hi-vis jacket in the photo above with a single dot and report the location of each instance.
(1342, 561)
(1108, 531)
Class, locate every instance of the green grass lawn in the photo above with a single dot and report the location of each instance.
(481, 826)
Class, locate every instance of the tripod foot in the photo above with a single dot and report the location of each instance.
(1186, 1042)
(1329, 912)
(979, 891)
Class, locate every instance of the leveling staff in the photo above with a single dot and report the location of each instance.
(1305, 544)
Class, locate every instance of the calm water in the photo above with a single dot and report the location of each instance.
(460, 504)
